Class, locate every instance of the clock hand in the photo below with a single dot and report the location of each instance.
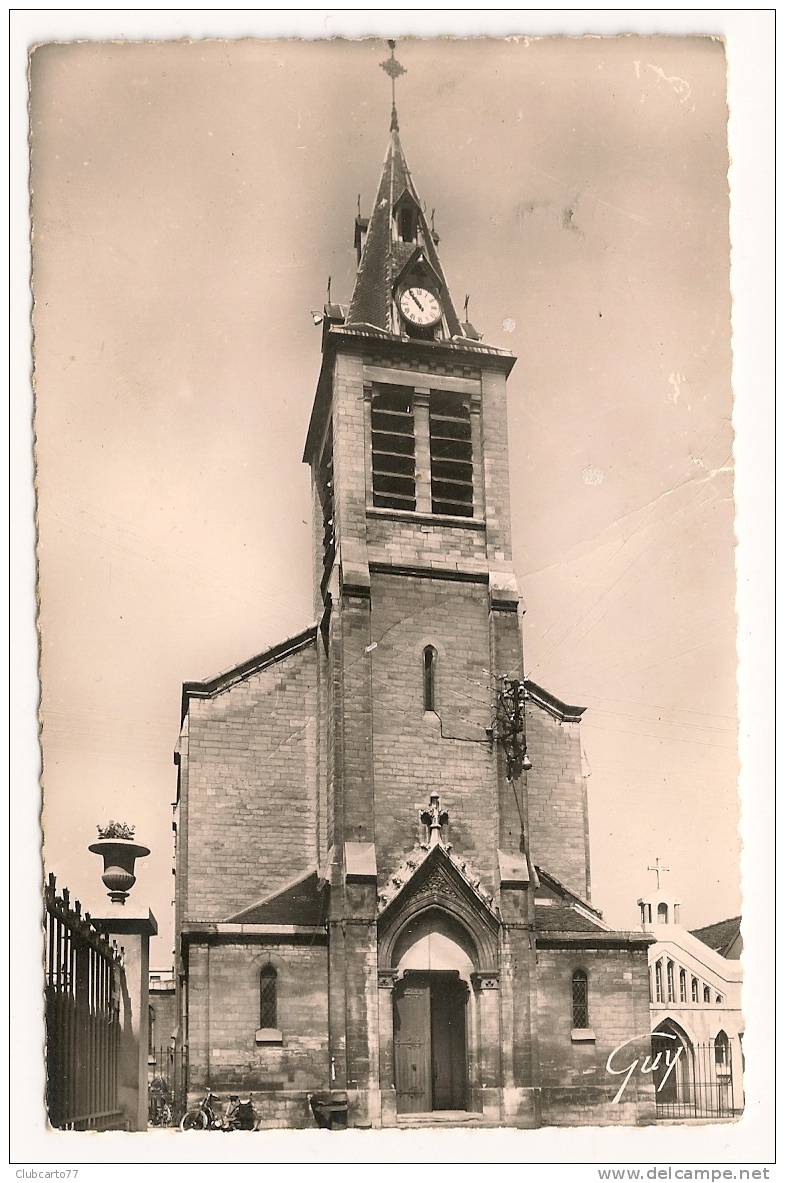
(417, 302)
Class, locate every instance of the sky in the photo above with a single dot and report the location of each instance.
(190, 201)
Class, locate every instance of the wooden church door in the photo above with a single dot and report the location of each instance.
(448, 1043)
(412, 1043)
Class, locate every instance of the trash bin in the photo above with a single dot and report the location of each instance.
(330, 1110)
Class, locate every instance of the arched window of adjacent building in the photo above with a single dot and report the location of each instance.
(429, 678)
(150, 1030)
(268, 997)
(682, 985)
(580, 999)
(706, 994)
(662, 913)
(658, 981)
(671, 983)
(695, 996)
(721, 1049)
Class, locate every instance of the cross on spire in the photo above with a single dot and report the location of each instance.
(658, 870)
(393, 67)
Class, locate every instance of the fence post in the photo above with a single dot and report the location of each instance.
(132, 930)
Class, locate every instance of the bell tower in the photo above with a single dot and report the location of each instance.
(417, 604)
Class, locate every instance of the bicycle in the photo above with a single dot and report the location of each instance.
(204, 1116)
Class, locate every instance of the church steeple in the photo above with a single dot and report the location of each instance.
(399, 254)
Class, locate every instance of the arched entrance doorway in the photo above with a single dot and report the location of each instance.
(432, 1014)
(673, 1069)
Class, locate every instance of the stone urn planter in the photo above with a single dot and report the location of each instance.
(119, 855)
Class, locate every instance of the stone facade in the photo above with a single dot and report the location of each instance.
(359, 856)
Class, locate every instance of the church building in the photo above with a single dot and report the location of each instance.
(383, 891)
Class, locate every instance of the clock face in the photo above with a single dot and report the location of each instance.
(420, 307)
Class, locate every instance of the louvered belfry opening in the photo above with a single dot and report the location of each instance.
(327, 499)
(392, 446)
(452, 475)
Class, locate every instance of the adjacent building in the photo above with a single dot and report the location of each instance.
(695, 992)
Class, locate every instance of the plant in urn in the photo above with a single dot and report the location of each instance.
(119, 851)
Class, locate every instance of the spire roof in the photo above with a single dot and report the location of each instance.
(384, 255)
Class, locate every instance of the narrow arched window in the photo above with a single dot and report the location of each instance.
(580, 999)
(429, 678)
(706, 994)
(662, 913)
(671, 983)
(682, 985)
(658, 981)
(721, 1049)
(718, 1000)
(268, 997)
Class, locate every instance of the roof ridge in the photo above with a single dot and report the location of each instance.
(715, 924)
(208, 687)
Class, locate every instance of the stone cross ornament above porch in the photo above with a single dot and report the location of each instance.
(434, 817)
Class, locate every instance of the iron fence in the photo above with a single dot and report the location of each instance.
(165, 1083)
(695, 1080)
(84, 981)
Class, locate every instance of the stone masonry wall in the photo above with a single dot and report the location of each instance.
(557, 823)
(411, 756)
(576, 1087)
(222, 1027)
(251, 799)
(425, 543)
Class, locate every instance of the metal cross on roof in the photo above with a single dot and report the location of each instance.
(393, 67)
(658, 869)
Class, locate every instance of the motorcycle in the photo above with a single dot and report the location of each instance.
(205, 1116)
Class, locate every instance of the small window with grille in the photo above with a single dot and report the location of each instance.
(452, 473)
(268, 997)
(580, 999)
(392, 447)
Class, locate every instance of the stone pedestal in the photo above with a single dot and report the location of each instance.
(132, 930)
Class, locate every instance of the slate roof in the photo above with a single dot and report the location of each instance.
(721, 936)
(562, 917)
(383, 258)
(567, 912)
(300, 902)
